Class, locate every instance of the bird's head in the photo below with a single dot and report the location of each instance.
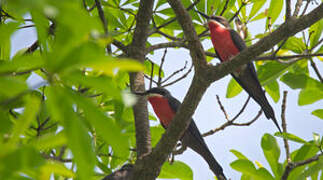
(215, 21)
(155, 92)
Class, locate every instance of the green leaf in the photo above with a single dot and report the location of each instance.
(156, 134)
(318, 113)
(22, 159)
(109, 67)
(233, 89)
(5, 122)
(309, 96)
(294, 81)
(102, 83)
(295, 45)
(42, 25)
(11, 86)
(273, 90)
(257, 4)
(272, 152)
(316, 139)
(50, 140)
(244, 166)
(78, 139)
(238, 154)
(305, 152)
(315, 32)
(291, 137)
(271, 71)
(6, 31)
(91, 55)
(104, 125)
(177, 169)
(21, 64)
(261, 15)
(56, 168)
(274, 10)
(30, 112)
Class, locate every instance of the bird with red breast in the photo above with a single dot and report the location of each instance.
(165, 107)
(227, 43)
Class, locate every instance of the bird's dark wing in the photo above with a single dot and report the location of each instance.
(237, 40)
(193, 139)
(174, 103)
(241, 45)
(192, 128)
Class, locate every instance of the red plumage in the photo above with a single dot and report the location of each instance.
(162, 109)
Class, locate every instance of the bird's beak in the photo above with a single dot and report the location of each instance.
(202, 14)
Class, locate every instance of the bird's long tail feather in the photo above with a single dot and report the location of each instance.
(194, 140)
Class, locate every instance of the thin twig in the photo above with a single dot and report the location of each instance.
(225, 7)
(284, 125)
(168, 36)
(222, 108)
(297, 7)
(32, 48)
(242, 109)
(104, 22)
(161, 68)
(151, 75)
(174, 73)
(175, 44)
(148, 77)
(305, 8)
(172, 20)
(237, 13)
(27, 26)
(230, 123)
(280, 46)
(288, 9)
(288, 57)
(316, 70)
(271, 57)
(180, 78)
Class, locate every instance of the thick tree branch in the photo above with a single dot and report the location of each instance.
(153, 162)
(136, 50)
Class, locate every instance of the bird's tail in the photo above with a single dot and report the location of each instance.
(268, 110)
(194, 140)
(249, 81)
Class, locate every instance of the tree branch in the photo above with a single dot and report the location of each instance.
(292, 165)
(284, 125)
(316, 70)
(297, 7)
(136, 50)
(175, 44)
(288, 9)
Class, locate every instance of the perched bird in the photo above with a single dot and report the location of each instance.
(165, 107)
(227, 43)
